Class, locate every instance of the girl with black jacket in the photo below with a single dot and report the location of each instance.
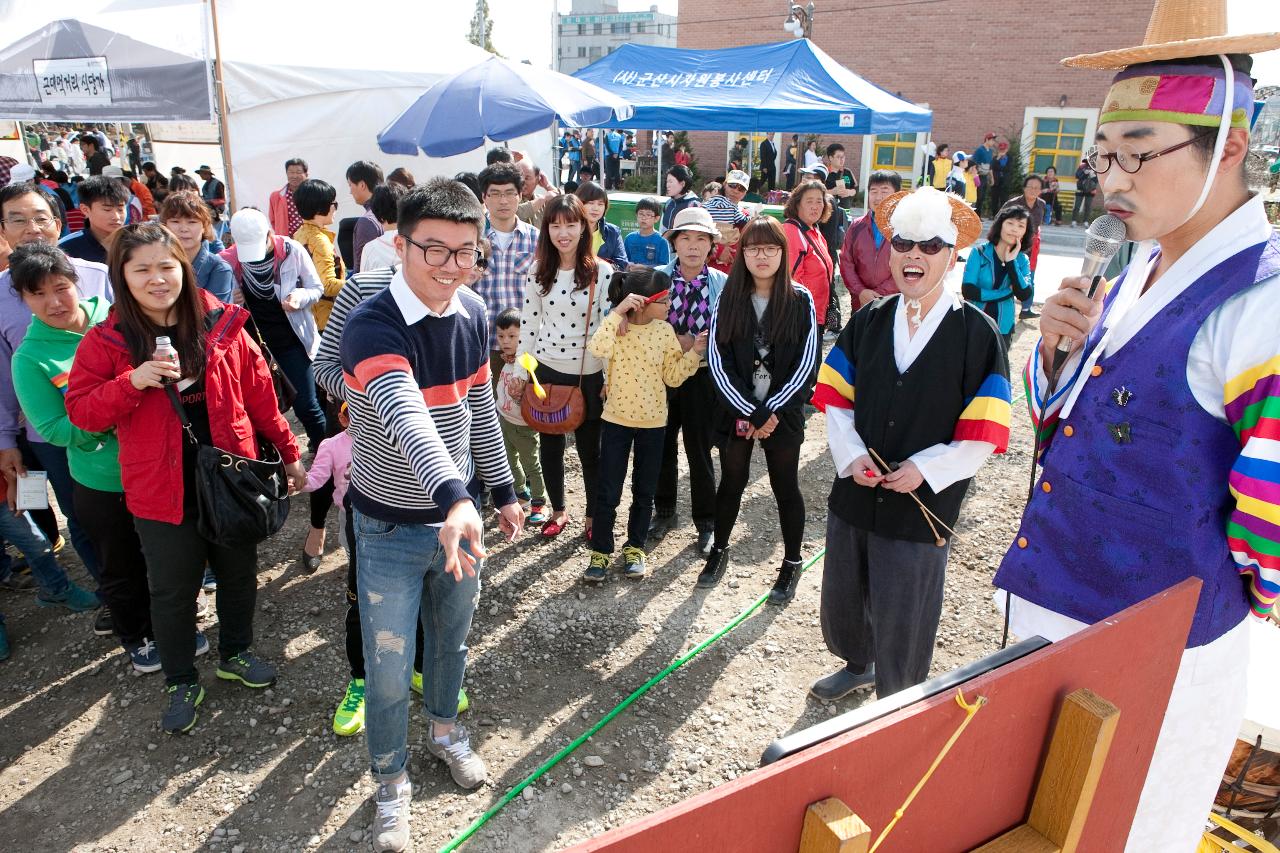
(764, 363)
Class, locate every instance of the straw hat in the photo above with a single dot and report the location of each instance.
(1180, 29)
(968, 225)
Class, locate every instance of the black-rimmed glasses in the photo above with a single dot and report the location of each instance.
(1129, 160)
(438, 256)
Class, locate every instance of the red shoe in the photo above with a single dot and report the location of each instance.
(553, 528)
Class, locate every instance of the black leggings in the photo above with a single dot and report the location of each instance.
(784, 478)
(551, 452)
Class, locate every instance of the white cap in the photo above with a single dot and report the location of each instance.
(22, 173)
(250, 228)
(738, 177)
(112, 172)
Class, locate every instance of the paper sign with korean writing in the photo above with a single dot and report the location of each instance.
(79, 81)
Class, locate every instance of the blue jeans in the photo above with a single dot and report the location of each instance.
(54, 460)
(615, 452)
(31, 542)
(295, 363)
(400, 577)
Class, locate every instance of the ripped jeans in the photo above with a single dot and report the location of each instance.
(399, 576)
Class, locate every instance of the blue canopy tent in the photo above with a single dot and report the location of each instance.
(788, 87)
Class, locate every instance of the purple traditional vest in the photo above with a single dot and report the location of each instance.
(1133, 497)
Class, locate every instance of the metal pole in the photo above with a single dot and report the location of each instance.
(224, 135)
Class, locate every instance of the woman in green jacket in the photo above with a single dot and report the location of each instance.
(46, 280)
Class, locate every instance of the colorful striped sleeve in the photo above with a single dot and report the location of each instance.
(835, 381)
(1253, 531)
(986, 415)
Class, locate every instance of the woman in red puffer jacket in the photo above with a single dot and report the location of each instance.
(225, 389)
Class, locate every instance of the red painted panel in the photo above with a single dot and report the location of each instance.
(985, 785)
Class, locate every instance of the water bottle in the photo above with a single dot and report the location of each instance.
(165, 352)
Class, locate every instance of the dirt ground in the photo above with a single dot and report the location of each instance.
(84, 765)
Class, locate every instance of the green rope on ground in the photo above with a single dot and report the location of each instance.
(551, 762)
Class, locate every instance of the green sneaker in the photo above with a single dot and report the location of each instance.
(248, 670)
(632, 562)
(416, 684)
(348, 720)
(183, 701)
(597, 569)
(73, 598)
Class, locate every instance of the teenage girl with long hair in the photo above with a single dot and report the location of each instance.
(565, 301)
(764, 363)
(224, 387)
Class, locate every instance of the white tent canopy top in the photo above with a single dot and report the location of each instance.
(294, 88)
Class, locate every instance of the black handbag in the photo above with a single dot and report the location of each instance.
(239, 501)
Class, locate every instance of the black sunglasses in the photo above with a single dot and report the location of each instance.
(932, 246)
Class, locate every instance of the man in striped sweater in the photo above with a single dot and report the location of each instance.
(426, 442)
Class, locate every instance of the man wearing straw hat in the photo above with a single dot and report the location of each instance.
(1165, 417)
(916, 395)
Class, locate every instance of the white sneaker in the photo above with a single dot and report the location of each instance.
(391, 821)
(465, 766)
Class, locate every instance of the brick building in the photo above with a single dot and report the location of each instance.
(979, 68)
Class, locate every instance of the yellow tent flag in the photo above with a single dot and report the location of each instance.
(529, 363)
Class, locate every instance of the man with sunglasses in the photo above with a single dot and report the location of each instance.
(1163, 425)
(916, 396)
(426, 441)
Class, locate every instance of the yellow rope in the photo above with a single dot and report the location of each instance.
(970, 710)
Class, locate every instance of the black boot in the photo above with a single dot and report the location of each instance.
(714, 569)
(784, 588)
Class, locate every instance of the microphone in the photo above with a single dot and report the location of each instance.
(1101, 242)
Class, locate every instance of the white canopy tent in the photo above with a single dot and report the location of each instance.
(296, 86)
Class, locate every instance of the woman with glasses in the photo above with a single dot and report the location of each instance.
(764, 360)
(807, 208)
(565, 301)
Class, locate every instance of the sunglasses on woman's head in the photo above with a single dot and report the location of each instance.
(932, 246)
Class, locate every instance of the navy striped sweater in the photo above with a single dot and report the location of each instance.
(423, 422)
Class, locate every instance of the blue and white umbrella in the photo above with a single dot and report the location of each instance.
(497, 99)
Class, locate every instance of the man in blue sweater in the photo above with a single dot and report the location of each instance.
(426, 441)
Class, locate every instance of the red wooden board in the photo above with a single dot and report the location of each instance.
(985, 785)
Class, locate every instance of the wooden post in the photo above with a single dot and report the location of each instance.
(831, 827)
(224, 134)
(1064, 794)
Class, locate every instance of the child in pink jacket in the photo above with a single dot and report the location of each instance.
(333, 459)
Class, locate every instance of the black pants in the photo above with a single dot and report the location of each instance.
(768, 176)
(355, 638)
(176, 555)
(783, 462)
(586, 437)
(612, 172)
(123, 587)
(615, 452)
(691, 410)
(881, 602)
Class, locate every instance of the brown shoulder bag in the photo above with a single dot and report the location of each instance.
(564, 407)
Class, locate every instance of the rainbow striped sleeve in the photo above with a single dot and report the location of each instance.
(1253, 531)
(835, 381)
(986, 415)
